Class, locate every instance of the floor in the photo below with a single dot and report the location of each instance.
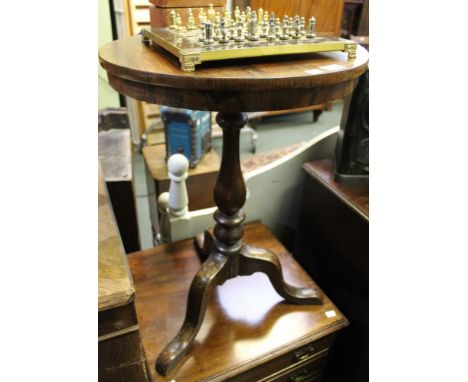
(273, 133)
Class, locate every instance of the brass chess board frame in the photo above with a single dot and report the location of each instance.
(187, 47)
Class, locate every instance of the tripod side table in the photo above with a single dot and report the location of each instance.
(231, 88)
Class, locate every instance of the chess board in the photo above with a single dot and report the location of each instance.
(217, 37)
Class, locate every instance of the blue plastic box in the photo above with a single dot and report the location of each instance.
(187, 132)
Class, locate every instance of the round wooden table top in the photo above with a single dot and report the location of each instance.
(256, 84)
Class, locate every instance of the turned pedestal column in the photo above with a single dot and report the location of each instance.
(228, 256)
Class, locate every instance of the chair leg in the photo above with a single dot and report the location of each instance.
(212, 273)
(317, 114)
(253, 259)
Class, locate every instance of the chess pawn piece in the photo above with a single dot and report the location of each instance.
(285, 35)
(179, 23)
(260, 14)
(311, 31)
(228, 19)
(237, 14)
(202, 17)
(271, 30)
(191, 20)
(243, 17)
(232, 31)
(239, 32)
(252, 28)
(303, 30)
(211, 14)
(202, 33)
(297, 28)
(264, 30)
(208, 33)
(173, 17)
(278, 27)
(223, 36)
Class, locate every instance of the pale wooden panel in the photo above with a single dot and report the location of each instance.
(115, 286)
(328, 13)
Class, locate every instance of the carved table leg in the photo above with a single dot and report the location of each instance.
(212, 273)
(253, 259)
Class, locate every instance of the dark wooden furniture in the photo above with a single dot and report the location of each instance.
(334, 231)
(249, 332)
(115, 158)
(352, 146)
(121, 355)
(232, 88)
(355, 18)
(201, 178)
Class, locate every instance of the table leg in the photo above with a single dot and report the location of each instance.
(228, 256)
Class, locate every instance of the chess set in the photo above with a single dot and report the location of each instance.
(213, 36)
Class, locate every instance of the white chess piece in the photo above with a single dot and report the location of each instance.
(178, 171)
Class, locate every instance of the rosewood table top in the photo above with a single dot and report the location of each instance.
(267, 83)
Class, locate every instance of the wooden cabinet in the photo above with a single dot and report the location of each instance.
(333, 246)
(328, 13)
(249, 333)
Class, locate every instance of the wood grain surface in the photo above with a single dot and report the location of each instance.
(114, 284)
(247, 323)
(266, 83)
(354, 196)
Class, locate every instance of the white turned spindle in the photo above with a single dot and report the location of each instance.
(164, 222)
(178, 171)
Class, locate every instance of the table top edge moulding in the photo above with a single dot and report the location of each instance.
(152, 75)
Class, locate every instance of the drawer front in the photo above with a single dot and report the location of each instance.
(308, 371)
(290, 361)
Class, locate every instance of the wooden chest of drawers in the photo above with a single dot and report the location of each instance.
(249, 333)
(120, 350)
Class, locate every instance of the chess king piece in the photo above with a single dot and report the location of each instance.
(311, 31)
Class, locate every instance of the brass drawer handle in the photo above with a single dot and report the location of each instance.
(299, 375)
(304, 353)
